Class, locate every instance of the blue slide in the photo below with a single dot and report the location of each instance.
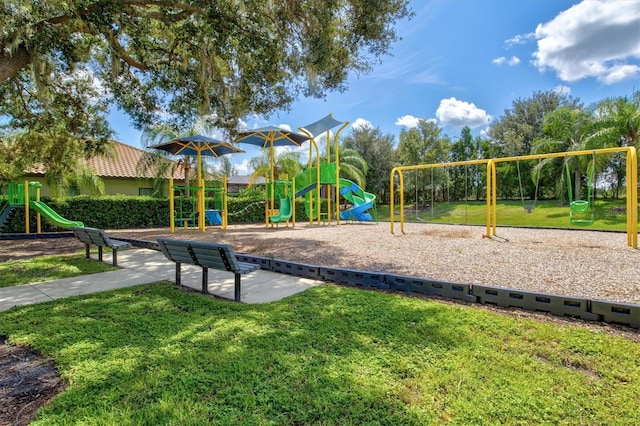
(361, 201)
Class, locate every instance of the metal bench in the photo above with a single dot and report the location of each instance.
(205, 255)
(99, 238)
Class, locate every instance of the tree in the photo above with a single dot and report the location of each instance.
(378, 152)
(63, 64)
(287, 164)
(352, 165)
(425, 144)
(570, 129)
(619, 125)
(513, 134)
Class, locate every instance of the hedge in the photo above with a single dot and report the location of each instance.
(126, 212)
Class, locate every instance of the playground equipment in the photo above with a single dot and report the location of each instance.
(327, 173)
(491, 185)
(270, 137)
(528, 207)
(184, 210)
(361, 201)
(581, 211)
(199, 146)
(27, 196)
(281, 190)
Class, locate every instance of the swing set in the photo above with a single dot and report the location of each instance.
(581, 212)
(528, 207)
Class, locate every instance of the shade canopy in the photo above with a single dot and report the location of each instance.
(192, 145)
(198, 145)
(271, 136)
(322, 125)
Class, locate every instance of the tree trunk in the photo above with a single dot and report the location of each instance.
(577, 176)
(12, 63)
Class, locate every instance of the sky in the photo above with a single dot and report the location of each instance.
(464, 62)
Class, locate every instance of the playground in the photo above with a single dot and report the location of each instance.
(592, 264)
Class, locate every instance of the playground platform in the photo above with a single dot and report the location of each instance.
(141, 266)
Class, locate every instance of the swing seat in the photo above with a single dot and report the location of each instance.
(580, 213)
(580, 206)
(585, 222)
(529, 207)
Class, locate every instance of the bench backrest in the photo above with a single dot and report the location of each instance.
(206, 255)
(92, 236)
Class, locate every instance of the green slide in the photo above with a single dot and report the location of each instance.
(53, 217)
(285, 211)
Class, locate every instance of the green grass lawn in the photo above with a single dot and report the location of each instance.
(47, 268)
(608, 214)
(331, 355)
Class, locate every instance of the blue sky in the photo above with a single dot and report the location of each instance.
(463, 62)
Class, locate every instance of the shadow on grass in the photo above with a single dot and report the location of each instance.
(150, 354)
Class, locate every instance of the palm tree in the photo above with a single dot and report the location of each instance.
(352, 165)
(619, 122)
(287, 163)
(567, 130)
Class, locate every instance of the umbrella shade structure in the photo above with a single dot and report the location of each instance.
(198, 145)
(194, 145)
(270, 137)
(267, 137)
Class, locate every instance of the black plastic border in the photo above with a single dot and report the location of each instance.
(564, 306)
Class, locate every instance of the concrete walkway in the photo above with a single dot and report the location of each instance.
(142, 266)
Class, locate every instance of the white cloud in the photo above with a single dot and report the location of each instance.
(520, 39)
(514, 60)
(361, 123)
(562, 90)
(244, 168)
(407, 121)
(591, 39)
(499, 61)
(455, 113)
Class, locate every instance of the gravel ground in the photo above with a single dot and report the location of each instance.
(595, 265)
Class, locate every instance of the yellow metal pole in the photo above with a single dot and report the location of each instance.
(328, 137)
(313, 144)
(391, 192)
(489, 202)
(38, 219)
(172, 215)
(200, 194)
(318, 185)
(26, 206)
(225, 219)
(633, 159)
(632, 198)
(273, 186)
(293, 201)
(401, 181)
(346, 123)
(494, 196)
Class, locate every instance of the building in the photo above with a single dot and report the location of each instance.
(119, 174)
(237, 183)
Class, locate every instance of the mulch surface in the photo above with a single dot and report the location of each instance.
(28, 381)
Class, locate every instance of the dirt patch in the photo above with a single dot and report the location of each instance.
(28, 248)
(27, 382)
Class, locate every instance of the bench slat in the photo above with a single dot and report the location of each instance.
(206, 255)
(99, 238)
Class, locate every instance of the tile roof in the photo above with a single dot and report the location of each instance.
(122, 165)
